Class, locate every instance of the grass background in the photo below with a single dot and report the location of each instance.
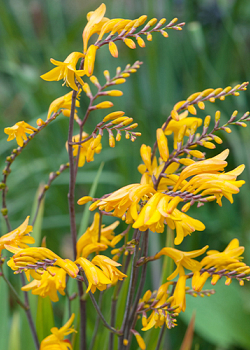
(211, 51)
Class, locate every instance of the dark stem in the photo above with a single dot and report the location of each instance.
(133, 314)
(29, 317)
(105, 323)
(83, 342)
(160, 337)
(96, 324)
(112, 321)
(71, 200)
(132, 283)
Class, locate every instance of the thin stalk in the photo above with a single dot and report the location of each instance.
(96, 324)
(142, 279)
(29, 317)
(83, 317)
(71, 194)
(71, 200)
(160, 337)
(131, 290)
(19, 301)
(105, 323)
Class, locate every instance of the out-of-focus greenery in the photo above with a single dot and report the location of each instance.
(211, 51)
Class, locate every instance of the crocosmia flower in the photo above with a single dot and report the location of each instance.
(56, 340)
(19, 131)
(66, 70)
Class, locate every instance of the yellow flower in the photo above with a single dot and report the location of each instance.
(160, 210)
(28, 256)
(108, 267)
(151, 168)
(18, 238)
(219, 185)
(66, 70)
(19, 131)
(49, 284)
(211, 165)
(126, 200)
(174, 126)
(182, 260)
(63, 102)
(86, 151)
(96, 278)
(56, 340)
(179, 296)
(88, 242)
(96, 20)
(228, 260)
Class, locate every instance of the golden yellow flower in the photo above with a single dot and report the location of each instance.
(56, 340)
(49, 283)
(66, 70)
(63, 102)
(126, 200)
(29, 256)
(228, 260)
(108, 266)
(19, 131)
(151, 168)
(18, 238)
(219, 185)
(96, 20)
(211, 165)
(182, 260)
(179, 296)
(96, 278)
(88, 242)
(87, 152)
(174, 126)
(161, 209)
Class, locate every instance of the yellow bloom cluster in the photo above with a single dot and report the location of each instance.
(90, 241)
(18, 132)
(56, 339)
(18, 238)
(87, 149)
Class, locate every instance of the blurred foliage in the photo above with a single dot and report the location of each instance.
(211, 51)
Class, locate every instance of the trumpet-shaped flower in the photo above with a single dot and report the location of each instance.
(174, 126)
(30, 256)
(96, 278)
(48, 284)
(86, 151)
(108, 266)
(219, 185)
(89, 242)
(66, 70)
(179, 296)
(96, 20)
(211, 165)
(126, 200)
(151, 168)
(228, 260)
(56, 340)
(160, 210)
(63, 102)
(182, 260)
(18, 238)
(19, 131)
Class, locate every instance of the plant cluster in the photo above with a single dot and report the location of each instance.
(175, 175)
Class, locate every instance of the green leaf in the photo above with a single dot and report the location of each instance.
(86, 212)
(45, 318)
(4, 307)
(221, 318)
(14, 338)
